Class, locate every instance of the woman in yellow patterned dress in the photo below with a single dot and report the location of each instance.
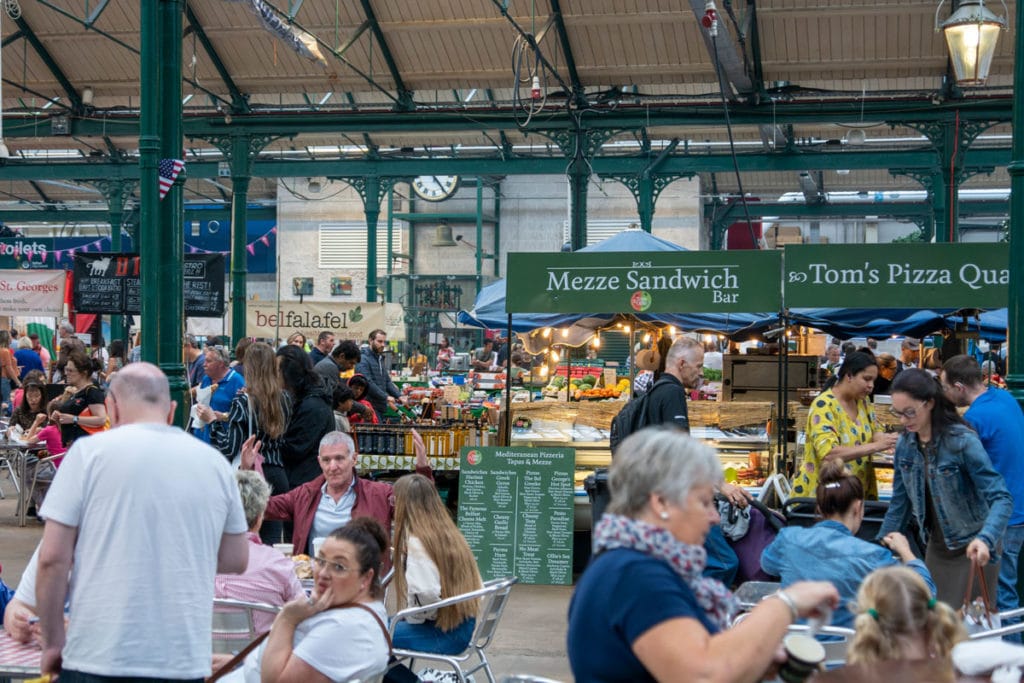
(842, 424)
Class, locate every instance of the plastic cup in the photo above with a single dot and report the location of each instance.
(286, 549)
(804, 655)
(317, 543)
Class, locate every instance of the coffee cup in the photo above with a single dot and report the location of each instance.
(804, 656)
(285, 549)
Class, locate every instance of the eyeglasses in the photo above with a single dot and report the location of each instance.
(909, 413)
(333, 567)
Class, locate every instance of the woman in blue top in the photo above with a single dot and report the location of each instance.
(829, 550)
(944, 479)
(642, 611)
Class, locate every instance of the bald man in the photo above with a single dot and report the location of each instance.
(149, 515)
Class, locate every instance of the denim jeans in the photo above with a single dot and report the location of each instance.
(427, 637)
(67, 676)
(1007, 596)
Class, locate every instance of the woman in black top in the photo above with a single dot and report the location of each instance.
(312, 415)
(33, 403)
(80, 394)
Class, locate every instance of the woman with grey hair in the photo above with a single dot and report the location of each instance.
(642, 611)
(270, 576)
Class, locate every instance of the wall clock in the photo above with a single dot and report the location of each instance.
(435, 188)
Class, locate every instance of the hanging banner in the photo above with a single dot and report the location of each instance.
(31, 292)
(962, 275)
(347, 320)
(111, 283)
(651, 282)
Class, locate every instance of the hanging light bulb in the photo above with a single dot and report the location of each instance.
(672, 330)
(626, 329)
(547, 332)
(565, 332)
(596, 343)
(543, 371)
(555, 357)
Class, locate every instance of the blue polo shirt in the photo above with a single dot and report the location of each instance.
(998, 419)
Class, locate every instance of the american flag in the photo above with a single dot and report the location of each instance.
(169, 170)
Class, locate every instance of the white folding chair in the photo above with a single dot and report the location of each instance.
(234, 625)
(493, 598)
(1001, 631)
(8, 462)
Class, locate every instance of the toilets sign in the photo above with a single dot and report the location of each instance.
(648, 282)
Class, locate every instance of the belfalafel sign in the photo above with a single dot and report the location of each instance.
(960, 275)
(648, 282)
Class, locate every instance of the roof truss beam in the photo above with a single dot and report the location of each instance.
(50, 62)
(404, 94)
(683, 164)
(570, 60)
(94, 15)
(239, 102)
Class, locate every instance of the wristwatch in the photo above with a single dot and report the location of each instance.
(75, 421)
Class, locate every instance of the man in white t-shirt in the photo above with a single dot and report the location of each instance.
(143, 516)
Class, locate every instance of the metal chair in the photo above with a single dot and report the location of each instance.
(233, 624)
(8, 462)
(1001, 631)
(493, 598)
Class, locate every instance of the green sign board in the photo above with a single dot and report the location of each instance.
(648, 282)
(516, 511)
(961, 275)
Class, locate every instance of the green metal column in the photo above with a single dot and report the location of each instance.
(479, 232)
(388, 293)
(1015, 317)
(579, 180)
(241, 170)
(951, 167)
(165, 249)
(371, 206)
(149, 155)
(115, 206)
(940, 207)
(497, 228)
(645, 201)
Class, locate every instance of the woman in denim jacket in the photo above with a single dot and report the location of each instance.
(944, 479)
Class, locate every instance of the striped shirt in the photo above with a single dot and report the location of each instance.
(228, 436)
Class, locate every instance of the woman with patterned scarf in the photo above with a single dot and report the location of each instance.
(642, 611)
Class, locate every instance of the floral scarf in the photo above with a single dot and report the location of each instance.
(688, 561)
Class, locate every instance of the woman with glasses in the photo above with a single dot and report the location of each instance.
(943, 480)
(338, 634)
(841, 424)
(81, 394)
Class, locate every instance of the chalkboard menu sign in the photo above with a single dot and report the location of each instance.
(111, 283)
(516, 511)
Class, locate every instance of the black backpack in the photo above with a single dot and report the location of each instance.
(632, 418)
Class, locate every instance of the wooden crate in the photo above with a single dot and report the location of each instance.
(597, 414)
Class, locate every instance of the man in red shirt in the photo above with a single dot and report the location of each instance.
(338, 495)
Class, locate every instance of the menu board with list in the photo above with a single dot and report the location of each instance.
(516, 511)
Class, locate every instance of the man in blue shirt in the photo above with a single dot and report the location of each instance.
(228, 382)
(998, 419)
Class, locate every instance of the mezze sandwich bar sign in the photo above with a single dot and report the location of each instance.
(648, 282)
(897, 275)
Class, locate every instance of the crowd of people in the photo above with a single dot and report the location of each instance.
(146, 524)
(263, 461)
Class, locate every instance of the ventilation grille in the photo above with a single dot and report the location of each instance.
(343, 246)
(599, 230)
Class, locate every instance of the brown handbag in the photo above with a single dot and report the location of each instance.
(977, 613)
(240, 657)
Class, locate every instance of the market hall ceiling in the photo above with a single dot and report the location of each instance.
(393, 81)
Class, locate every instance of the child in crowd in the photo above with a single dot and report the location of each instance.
(898, 619)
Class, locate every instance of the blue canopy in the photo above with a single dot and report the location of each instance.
(489, 308)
